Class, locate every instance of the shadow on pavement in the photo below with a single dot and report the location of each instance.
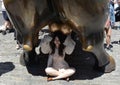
(6, 67)
(38, 69)
(116, 42)
(84, 63)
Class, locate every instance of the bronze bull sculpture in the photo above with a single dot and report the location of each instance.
(85, 17)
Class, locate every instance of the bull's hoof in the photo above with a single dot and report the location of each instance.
(24, 59)
(89, 48)
(110, 66)
(27, 47)
(107, 68)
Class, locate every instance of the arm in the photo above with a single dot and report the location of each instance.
(44, 45)
(49, 63)
(70, 45)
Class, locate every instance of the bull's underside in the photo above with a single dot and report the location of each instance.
(85, 17)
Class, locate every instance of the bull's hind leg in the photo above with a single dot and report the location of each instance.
(106, 63)
(94, 43)
(28, 58)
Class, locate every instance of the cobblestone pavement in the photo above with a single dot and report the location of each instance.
(13, 73)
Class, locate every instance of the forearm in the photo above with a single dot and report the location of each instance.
(49, 63)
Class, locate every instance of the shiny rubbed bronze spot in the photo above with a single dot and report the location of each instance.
(27, 48)
(89, 48)
(54, 27)
(66, 29)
